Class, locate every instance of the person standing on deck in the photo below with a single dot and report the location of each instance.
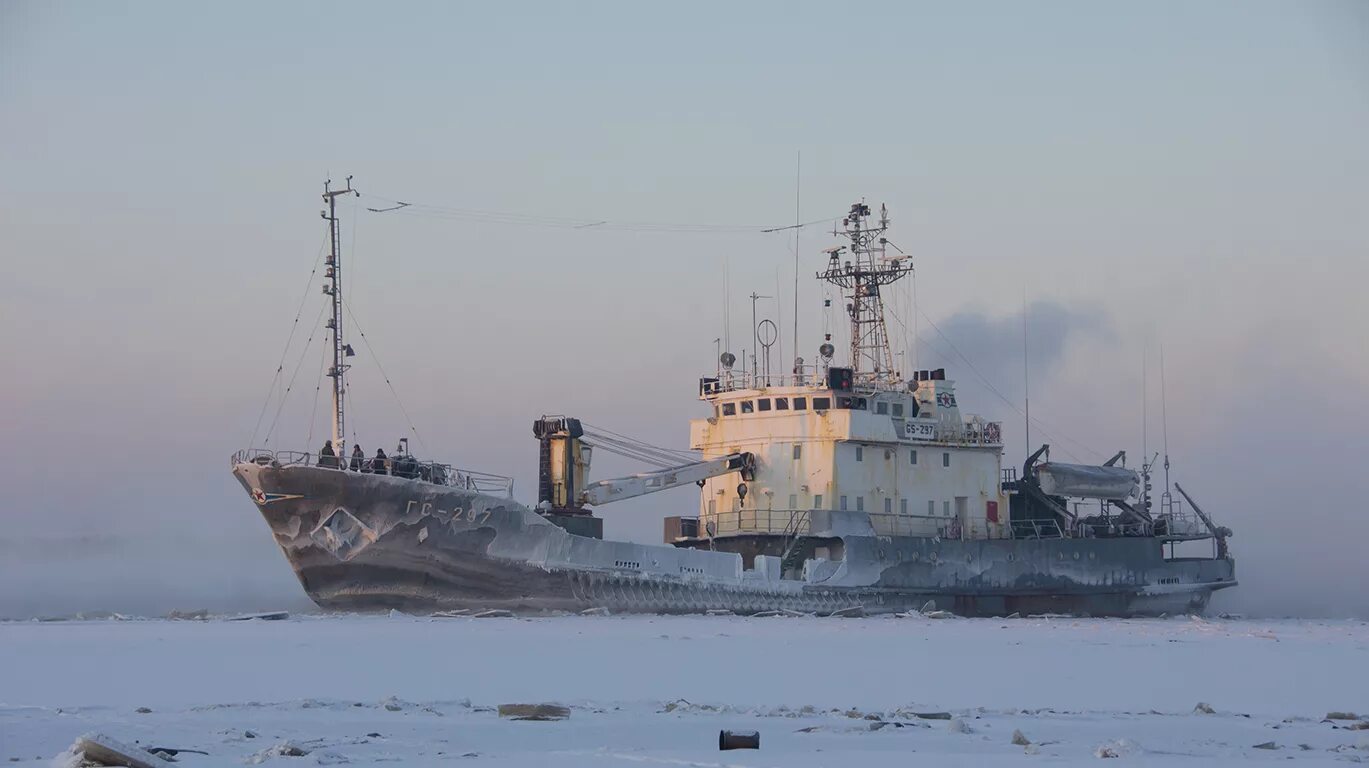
(326, 457)
(358, 458)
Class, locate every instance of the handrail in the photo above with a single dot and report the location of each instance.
(789, 522)
(403, 467)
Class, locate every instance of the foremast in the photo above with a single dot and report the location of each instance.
(333, 288)
(860, 278)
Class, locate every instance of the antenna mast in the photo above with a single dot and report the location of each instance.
(860, 280)
(341, 351)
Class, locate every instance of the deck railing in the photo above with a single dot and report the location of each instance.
(403, 467)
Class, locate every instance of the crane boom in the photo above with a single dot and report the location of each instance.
(604, 491)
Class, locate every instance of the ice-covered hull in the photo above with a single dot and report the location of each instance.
(372, 542)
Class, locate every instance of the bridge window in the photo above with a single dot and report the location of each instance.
(860, 453)
(903, 506)
(860, 503)
(898, 410)
(748, 406)
(946, 459)
(764, 403)
(798, 450)
(793, 501)
(729, 409)
(817, 501)
(912, 457)
(781, 403)
(888, 506)
(822, 403)
(801, 404)
(931, 508)
(843, 503)
(881, 407)
(945, 509)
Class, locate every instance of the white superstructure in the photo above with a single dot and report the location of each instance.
(905, 456)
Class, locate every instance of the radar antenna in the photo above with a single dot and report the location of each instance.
(860, 275)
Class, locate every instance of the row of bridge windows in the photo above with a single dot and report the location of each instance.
(860, 455)
(778, 404)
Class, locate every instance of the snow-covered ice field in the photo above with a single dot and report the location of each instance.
(656, 690)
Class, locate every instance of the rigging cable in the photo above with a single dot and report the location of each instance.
(303, 353)
(318, 387)
(280, 367)
(347, 306)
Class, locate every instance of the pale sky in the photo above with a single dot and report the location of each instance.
(1192, 176)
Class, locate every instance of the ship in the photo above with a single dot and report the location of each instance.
(841, 487)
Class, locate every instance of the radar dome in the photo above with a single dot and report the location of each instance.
(827, 350)
(727, 359)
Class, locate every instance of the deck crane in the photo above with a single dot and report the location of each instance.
(564, 492)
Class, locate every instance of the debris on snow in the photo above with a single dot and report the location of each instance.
(599, 611)
(1118, 748)
(1341, 716)
(493, 613)
(534, 711)
(959, 726)
(739, 740)
(1266, 745)
(98, 749)
(1203, 708)
(283, 749)
(269, 616)
(1020, 740)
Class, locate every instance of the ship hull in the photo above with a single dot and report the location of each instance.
(360, 542)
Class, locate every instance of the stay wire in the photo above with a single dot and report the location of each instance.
(318, 387)
(303, 354)
(280, 367)
(347, 306)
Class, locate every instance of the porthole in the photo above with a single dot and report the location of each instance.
(1093, 555)
(1012, 556)
(1076, 555)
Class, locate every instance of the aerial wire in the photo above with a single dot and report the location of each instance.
(1026, 389)
(798, 190)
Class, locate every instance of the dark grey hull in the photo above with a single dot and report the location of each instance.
(365, 542)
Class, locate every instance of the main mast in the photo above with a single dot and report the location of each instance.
(860, 278)
(337, 372)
